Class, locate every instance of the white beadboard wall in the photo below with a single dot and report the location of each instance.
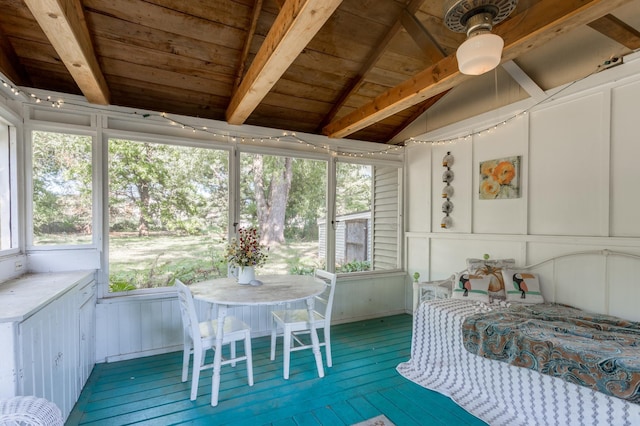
(579, 180)
(131, 327)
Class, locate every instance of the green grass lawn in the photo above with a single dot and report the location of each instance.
(155, 260)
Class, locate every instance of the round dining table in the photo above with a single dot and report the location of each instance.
(274, 290)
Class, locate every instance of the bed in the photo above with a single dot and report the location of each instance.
(504, 394)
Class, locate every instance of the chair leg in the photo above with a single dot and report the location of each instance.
(247, 353)
(195, 377)
(286, 349)
(274, 327)
(327, 347)
(215, 378)
(232, 348)
(186, 356)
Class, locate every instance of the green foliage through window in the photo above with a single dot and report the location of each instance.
(62, 188)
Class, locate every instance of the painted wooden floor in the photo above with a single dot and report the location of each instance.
(362, 384)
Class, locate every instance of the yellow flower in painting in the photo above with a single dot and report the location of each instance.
(504, 172)
(489, 188)
(487, 167)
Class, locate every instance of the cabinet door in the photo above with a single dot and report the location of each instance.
(87, 329)
(49, 353)
(8, 363)
(41, 354)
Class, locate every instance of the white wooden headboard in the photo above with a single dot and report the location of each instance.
(601, 281)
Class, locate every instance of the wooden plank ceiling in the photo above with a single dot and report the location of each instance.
(361, 69)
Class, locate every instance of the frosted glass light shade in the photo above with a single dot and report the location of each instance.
(479, 54)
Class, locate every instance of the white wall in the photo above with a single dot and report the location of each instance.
(579, 179)
(131, 327)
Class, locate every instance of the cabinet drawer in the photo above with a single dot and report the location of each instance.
(86, 292)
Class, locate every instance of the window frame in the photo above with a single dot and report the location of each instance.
(400, 216)
(104, 126)
(146, 138)
(9, 179)
(235, 218)
(96, 208)
(235, 150)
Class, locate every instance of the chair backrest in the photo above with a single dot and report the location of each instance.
(190, 321)
(324, 301)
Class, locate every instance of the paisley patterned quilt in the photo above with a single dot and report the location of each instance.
(597, 351)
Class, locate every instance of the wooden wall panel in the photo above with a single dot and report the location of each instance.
(567, 169)
(625, 151)
(580, 192)
(139, 327)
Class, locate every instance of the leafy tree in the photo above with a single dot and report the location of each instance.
(283, 196)
(167, 188)
(307, 200)
(62, 177)
(353, 188)
(271, 183)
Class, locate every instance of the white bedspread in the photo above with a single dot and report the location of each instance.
(496, 392)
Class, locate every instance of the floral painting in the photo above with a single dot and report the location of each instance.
(500, 178)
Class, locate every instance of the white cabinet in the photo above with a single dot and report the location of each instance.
(47, 353)
(87, 332)
(53, 339)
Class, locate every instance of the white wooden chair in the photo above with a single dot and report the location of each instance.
(292, 323)
(200, 336)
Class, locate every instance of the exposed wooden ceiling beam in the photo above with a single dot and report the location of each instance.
(617, 30)
(10, 64)
(370, 63)
(294, 27)
(257, 8)
(64, 25)
(524, 80)
(522, 32)
(421, 108)
(421, 37)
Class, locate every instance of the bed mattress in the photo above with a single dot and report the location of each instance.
(493, 391)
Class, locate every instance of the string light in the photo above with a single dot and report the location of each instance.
(286, 135)
(468, 136)
(494, 127)
(30, 96)
(292, 135)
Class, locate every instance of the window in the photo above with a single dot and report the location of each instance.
(62, 189)
(168, 214)
(285, 199)
(8, 204)
(367, 218)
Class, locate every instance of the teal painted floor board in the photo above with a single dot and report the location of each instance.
(362, 384)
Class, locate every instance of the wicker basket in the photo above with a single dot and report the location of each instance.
(29, 410)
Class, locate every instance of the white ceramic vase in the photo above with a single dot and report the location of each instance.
(246, 274)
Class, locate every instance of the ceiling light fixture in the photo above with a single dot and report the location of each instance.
(482, 50)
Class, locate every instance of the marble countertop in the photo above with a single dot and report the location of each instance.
(23, 296)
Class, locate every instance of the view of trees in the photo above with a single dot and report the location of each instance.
(62, 190)
(168, 205)
(156, 188)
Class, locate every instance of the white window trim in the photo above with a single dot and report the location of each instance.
(28, 196)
